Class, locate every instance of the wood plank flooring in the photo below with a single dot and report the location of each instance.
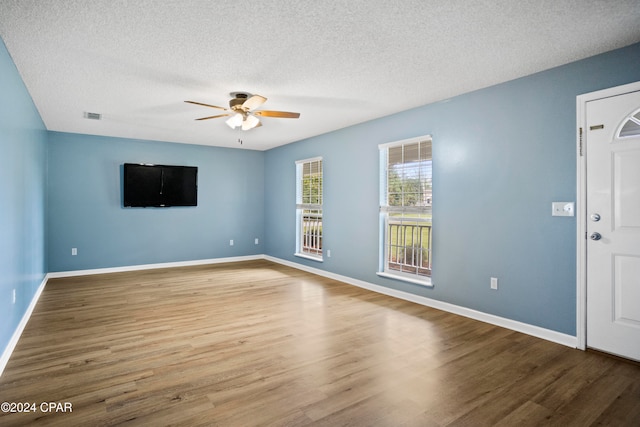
(260, 344)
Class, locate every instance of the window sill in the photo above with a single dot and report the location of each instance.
(422, 282)
(312, 258)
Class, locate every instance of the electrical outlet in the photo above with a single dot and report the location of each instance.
(328, 253)
(231, 242)
(494, 283)
(257, 241)
(74, 251)
(14, 297)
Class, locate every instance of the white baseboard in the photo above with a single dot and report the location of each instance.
(59, 274)
(6, 354)
(536, 331)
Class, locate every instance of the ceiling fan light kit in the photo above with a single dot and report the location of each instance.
(241, 108)
(235, 120)
(250, 122)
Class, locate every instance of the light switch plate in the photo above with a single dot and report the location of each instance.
(562, 208)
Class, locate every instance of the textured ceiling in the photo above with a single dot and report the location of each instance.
(338, 63)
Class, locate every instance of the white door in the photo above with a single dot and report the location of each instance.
(612, 140)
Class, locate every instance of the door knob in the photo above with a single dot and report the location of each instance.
(595, 236)
(595, 217)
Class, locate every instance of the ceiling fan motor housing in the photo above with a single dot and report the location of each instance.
(236, 103)
(238, 99)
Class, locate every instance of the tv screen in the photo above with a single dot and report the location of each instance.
(160, 185)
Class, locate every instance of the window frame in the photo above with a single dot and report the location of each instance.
(384, 212)
(316, 253)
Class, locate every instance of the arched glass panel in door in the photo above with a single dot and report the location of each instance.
(630, 126)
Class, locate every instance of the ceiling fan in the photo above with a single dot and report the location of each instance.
(241, 111)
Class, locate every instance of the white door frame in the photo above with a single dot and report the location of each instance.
(581, 198)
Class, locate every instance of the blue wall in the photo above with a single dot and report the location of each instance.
(501, 156)
(85, 204)
(22, 207)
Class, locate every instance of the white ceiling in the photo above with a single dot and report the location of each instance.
(337, 62)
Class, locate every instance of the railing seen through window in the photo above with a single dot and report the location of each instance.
(409, 245)
(312, 232)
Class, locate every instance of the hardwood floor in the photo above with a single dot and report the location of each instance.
(257, 343)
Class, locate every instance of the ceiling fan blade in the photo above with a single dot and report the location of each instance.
(281, 114)
(205, 105)
(254, 102)
(214, 117)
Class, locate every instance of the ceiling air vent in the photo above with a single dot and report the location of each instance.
(92, 116)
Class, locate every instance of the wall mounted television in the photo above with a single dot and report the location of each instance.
(147, 185)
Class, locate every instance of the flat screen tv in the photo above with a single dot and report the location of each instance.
(159, 185)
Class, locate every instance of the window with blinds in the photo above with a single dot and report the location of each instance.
(309, 208)
(405, 209)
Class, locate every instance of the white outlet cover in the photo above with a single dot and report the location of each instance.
(562, 209)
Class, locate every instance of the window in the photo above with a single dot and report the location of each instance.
(631, 126)
(405, 210)
(309, 208)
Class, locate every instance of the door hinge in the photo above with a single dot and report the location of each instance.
(580, 148)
